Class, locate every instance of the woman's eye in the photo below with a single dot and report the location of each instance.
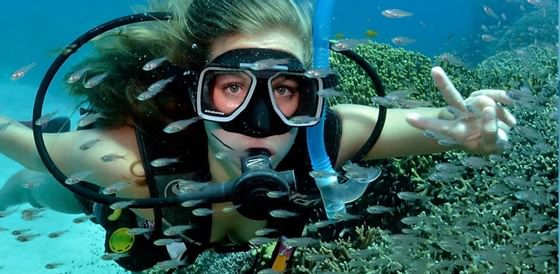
(233, 88)
(283, 91)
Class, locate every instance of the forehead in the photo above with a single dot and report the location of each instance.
(272, 40)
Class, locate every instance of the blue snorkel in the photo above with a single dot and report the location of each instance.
(333, 194)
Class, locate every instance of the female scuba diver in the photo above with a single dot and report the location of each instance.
(235, 72)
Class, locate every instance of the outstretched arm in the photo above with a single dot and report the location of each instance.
(478, 125)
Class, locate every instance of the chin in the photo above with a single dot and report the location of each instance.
(277, 145)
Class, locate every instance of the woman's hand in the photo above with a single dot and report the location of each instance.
(478, 124)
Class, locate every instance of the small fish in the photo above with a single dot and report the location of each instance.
(33, 183)
(165, 241)
(161, 162)
(395, 13)
(452, 60)
(262, 240)
(281, 213)
(4, 126)
(200, 212)
(122, 204)
(321, 224)
(474, 162)
(317, 73)
(81, 219)
(139, 230)
(444, 177)
(408, 196)
(402, 40)
(27, 237)
(191, 203)
(361, 174)
(330, 92)
(53, 265)
(347, 44)
(43, 120)
(111, 157)
(95, 80)
(56, 234)
(230, 208)
(180, 125)
(170, 264)
(112, 256)
(301, 241)
(488, 38)
(339, 36)
(490, 12)
(303, 119)
(370, 33)
(412, 220)
(114, 188)
(449, 168)
(176, 230)
(89, 119)
(379, 209)
(21, 72)
(322, 174)
(266, 64)
(265, 231)
(77, 177)
(31, 213)
(277, 194)
(154, 89)
(20, 231)
(76, 76)
(184, 186)
(154, 63)
(89, 144)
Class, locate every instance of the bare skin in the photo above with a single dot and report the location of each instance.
(402, 135)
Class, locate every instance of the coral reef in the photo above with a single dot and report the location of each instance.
(498, 214)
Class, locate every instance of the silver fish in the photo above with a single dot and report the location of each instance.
(43, 120)
(379, 209)
(330, 92)
(113, 256)
(395, 13)
(265, 231)
(180, 125)
(303, 119)
(408, 196)
(122, 204)
(111, 157)
(317, 73)
(77, 177)
(281, 213)
(262, 240)
(474, 162)
(21, 72)
(202, 212)
(95, 80)
(266, 64)
(154, 63)
(161, 162)
(114, 188)
(176, 230)
(165, 241)
(154, 89)
(139, 230)
(76, 76)
(89, 119)
(301, 241)
(89, 144)
(347, 44)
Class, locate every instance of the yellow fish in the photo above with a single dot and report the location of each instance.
(371, 33)
(339, 36)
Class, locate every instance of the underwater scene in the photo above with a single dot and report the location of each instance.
(450, 212)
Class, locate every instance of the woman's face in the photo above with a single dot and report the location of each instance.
(277, 145)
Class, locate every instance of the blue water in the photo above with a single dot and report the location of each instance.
(33, 31)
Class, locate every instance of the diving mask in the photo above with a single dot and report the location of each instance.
(259, 92)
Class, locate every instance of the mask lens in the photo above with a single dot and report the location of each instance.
(295, 98)
(223, 93)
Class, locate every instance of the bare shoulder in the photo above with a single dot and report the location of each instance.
(109, 155)
(357, 123)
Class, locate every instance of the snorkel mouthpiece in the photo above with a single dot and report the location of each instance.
(260, 188)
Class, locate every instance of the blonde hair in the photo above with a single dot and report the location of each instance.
(186, 41)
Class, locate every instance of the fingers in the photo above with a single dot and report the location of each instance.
(497, 95)
(480, 100)
(489, 134)
(447, 89)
